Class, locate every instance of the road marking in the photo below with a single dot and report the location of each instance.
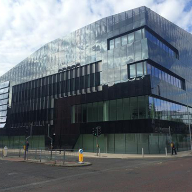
(12, 173)
(70, 176)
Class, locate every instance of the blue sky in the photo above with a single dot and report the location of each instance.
(26, 25)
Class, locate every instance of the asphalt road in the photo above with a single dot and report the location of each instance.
(103, 175)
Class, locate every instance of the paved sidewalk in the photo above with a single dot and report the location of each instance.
(94, 155)
(137, 156)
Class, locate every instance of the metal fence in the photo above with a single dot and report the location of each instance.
(59, 156)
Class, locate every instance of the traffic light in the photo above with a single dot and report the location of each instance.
(94, 131)
(99, 130)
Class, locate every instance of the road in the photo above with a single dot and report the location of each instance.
(103, 175)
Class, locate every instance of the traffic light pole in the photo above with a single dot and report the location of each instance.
(97, 133)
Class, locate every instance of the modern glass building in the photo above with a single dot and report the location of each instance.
(128, 73)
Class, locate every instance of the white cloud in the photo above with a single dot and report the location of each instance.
(26, 25)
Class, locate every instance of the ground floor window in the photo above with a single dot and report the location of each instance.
(132, 143)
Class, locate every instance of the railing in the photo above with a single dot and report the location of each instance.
(59, 156)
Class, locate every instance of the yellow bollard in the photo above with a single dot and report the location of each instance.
(80, 155)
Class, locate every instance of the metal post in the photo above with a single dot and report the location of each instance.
(97, 144)
(19, 152)
(27, 154)
(35, 153)
(25, 150)
(97, 139)
(170, 137)
(40, 155)
(142, 152)
(166, 151)
(51, 149)
(99, 153)
(63, 156)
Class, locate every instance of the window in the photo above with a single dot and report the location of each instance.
(124, 40)
(87, 81)
(138, 35)
(132, 71)
(95, 112)
(113, 110)
(154, 71)
(142, 107)
(89, 112)
(112, 44)
(139, 69)
(84, 113)
(130, 38)
(144, 68)
(82, 82)
(97, 79)
(148, 68)
(100, 111)
(117, 42)
(119, 109)
(161, 44)
(133, 108)
(126, 109)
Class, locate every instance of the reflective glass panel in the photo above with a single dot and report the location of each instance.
(138, 35)
(130, 37)
(139, 69)
(132, 71)
(117, 42)
(111, 42)
(124, 40)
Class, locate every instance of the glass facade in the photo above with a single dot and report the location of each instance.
(130, 73)
(33, 102)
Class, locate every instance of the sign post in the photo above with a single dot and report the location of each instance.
(81, 156)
